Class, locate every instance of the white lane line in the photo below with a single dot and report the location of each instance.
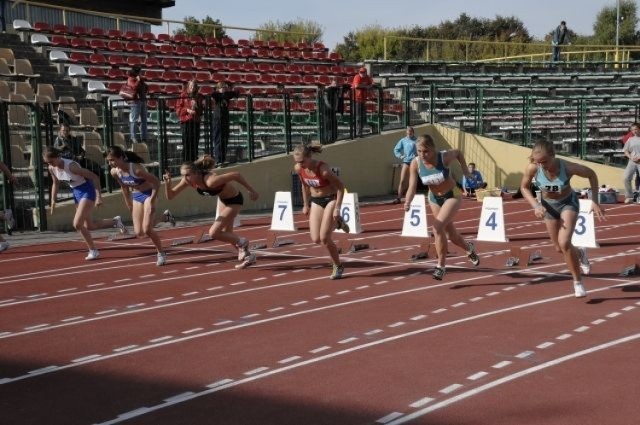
(399, 278)
(42, 325)
(389, 418)
(161, 300)
(190, 294)
(95, 285)
(5, 333)
(319, 349)
(459, 304)
(491, 294)
(421, 402)
(136, 305)
(125, 348)
(62, 291)
(44, 369)
(477, 376)
(438, 311)
(180, 397)
(162, 338)
(214, 288)
(7, 300)
(419, 317)
(126, 279)
(71, 319)
(192, 268)
(85, 358)
(37, 295)
(612, 315)
(382, 282)
(223, 322)
(170, 271)
(545, 345)
(473, 300)
(629, 308)
(256, 371)
(564, 337)
(271, 310)
(502, 364)
(144, 276)
(343, 292)
(133, 413)
(373, 332)
(190, 331)
(289, 359)
(598, 321)
(258, 279)
(348, 340)
(111, 310)
(219, 383)
(395, 325)
(237, 283)
(360, 288)
(509, 288)
(525, 354)
(299, 270)
(250, 316)
(322, 297)
(451, 388)
(278, 274)
(582, 329)
(299, 303)
(490, 385)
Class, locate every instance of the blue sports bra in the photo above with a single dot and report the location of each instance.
(433, 176)
(552, 186)
(130, 179)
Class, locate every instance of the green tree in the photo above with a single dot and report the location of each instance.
(604, 27)
(292, 31)
(211, 28)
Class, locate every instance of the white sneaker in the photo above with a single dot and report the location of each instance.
(162, 259)
(249, 260)
(585, 265)
(93, 255)
(118, 225)
(8, 218)
(4, 245)
(243, 248)
(578, 289)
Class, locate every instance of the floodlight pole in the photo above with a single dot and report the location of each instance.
(617, 28)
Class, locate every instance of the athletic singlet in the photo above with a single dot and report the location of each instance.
(552, 186)
(130, 179)
(433, 176)
(316, 181)
(66, 175)
(209, 192)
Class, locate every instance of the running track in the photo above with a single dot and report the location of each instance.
(196, 342)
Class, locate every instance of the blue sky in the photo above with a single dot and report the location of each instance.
(339, 17)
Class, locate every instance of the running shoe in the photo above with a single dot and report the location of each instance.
(341, 224)
(439, 273)
(473, 257)
(243, 249)
(578, 289)
(162, 259)
(338, 270)
(169, 218)
(585, 265)
(248, 261)
(94, 254)
(118, 225)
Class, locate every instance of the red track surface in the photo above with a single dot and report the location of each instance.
(120, 340)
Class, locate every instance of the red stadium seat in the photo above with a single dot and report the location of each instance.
(135, 61)
(114, 33)
(203, 77)
(279, 68)
(293, 54)
(131, 36)
(266, 79)
(199, 51)
(217, 66)
(133, 47)
(163, 38)
(216, 77)
(273, 44)
(308, 69)
(321, 56)
(335, 57)
(323, 80)
(172, 89)
(152, 63)
(228, 42)
(96, 32)
(235, 78)
(169, 63)
(116, 74)
(98, 45)
(289, 45)
(263, 53)
(115, 46)
(185, 76)
(41, 27)
(201, 65)
(293, 68)
(153, 75)
(244, 43)
(183, 50)
(180, 39)
(60, 29)
(231, 52)
(185, 64)
(98, 59)
(309, 80)
(246, 52)
(169, 76)
(264, 67)
(249, 67)
(277, 54)
(319, 47)
(166, 49)
(95, 72)
(258, 44)
(294, 79)
(280, 79)
(235, 66)
(196, 40)
(79, 43)
(212, 42)
(206, 90)
(79, 31)
(116, 60)
(148, 37)
(149, 49)
(60, 41)
(304, 46)
(251, 79)
(78, 57)
(307, 55)
(215, 52)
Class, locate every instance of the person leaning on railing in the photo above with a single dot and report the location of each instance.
(189, 109)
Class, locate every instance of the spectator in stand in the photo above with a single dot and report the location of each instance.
(333, 98)
(473, 182)
(3, 15)
(560, 36)
(138, 105)
(86, 195)
(220, 121)
(631, 150)
(7, 214)
(189, 110)
(405, 150)
(69, 146)
(361, 84)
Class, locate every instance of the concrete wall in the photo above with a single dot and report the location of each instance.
(366, 167)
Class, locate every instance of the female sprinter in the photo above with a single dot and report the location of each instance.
(322, 191)
(201, 176)
(432, 167)
(559, 205)
(86, 194)
(140, 192)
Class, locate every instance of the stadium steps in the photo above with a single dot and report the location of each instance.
(41, 66)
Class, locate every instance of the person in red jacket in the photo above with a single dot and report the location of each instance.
(361, 84)
(189, 109)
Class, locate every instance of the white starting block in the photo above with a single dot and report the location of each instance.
(199, 238)
(415, 225)
(491, 227)
(584, 235)
(281, 221)
(519, 258)
(350, 213)
(121, 237)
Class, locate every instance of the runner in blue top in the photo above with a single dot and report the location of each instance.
(405, 150)
(140, 192)
(559, 205)
(86, 194)
(432, 167)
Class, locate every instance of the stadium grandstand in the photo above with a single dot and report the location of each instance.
(66, 60)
